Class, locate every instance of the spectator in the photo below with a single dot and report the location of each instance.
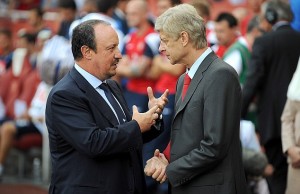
(255, 162)
(36, 21)
(226, 32)
(271, 67)
(5, 49)
(32, 121)
(120, 17)
(290, 133)
(238, 54)
(68, 10)
(14, 80)
(254, 9)
(104, 12)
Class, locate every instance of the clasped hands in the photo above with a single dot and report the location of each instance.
(156, 167)
(155, 105)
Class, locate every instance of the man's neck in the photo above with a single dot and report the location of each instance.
(194, 55)
(143, 28)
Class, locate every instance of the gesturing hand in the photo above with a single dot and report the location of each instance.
(145, 120)
(160, 102)
(156, 167)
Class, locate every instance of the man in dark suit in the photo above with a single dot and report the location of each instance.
(95, 142)
(271, 67)
(205, 147)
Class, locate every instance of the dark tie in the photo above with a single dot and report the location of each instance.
(114, 103)
(186, 83)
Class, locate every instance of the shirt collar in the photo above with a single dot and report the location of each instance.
(95, 82)
(279, 24)
(192, 71)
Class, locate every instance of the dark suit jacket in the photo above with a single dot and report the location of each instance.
(271, 67)
(206, 152)
(90, 152)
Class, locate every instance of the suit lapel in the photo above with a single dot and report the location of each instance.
(194, 83)
(96, 99)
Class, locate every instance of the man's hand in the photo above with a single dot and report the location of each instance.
(160, 102)
(268, 171)
(294, 154)
(145, 120)
(156, 167)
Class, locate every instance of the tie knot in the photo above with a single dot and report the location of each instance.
(103, 86)
(187, 80)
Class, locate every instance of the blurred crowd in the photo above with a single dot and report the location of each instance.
(260, 39)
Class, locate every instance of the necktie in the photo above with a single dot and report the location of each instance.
(186, 83)
(114, 103)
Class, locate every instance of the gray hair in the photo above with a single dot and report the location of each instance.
(282, 9)
(183, 17)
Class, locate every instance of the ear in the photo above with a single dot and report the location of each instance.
(184, 38)
(86, 52)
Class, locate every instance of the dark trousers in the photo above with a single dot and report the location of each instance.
(277, 182)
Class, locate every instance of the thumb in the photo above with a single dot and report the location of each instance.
(150, 93)
(153, 109)
(135, 109)
(156, 153)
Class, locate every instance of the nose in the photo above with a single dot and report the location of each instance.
(162, 47)
(118, 54)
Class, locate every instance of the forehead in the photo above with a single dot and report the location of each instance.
(105, 34)
(164, 35)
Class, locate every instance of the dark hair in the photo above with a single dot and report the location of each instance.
(278, 10)
(39, 11)
(67, 4)
(202, 7)
(229, 18)
(253, 23)
(175, 2)
(5, 31)
(29, 37)
(84, 35)
(104, 6)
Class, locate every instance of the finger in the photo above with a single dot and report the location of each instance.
(149, 169)
(155, 116)
(135, 109)
(162, 174)
(153, 122)
(156, 152)
(163, 179)
(163, 157)
(157, 172)
(165, 94)
(153, 109)
(150, 93)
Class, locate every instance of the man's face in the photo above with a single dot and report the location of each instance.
(225, 34)
(67, 14)
(162, 6)
(135, 15)
(107, 56)
(5, 42)
(171, 47)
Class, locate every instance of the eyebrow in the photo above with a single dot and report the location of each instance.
(111, 46)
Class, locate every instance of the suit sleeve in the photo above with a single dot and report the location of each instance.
(71, 116)
(255, 75)
(221, 117)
